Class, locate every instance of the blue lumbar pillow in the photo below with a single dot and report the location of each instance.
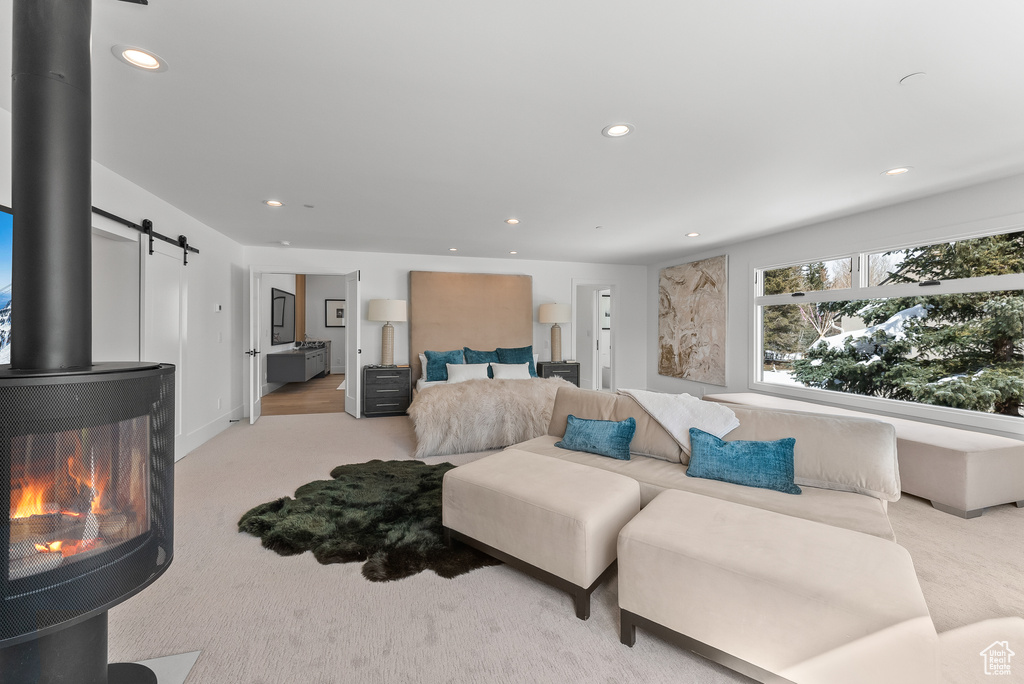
(437, 363)
(602, 437)
(517, 355)
(768, 465)
(474, 356)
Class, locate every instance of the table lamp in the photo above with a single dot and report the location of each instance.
(555, 313)
(387, 310)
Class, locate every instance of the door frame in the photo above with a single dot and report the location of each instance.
(352, 326)
(613, 289)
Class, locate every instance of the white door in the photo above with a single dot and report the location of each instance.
(164, 314)
(255, 382)
(353, 364)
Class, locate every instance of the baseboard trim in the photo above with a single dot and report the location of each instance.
(197, 438)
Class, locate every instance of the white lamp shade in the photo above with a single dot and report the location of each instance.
(386, 310)
(554, 313)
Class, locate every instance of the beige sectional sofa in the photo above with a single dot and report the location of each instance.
(731, 563)
(846, 466)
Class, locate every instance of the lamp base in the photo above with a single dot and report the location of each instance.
(387, 345)
(556, 344)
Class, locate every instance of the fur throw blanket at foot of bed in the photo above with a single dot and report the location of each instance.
(476, 415)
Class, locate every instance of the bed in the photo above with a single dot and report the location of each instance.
(482, 312)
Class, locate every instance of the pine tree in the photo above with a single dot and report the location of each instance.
(966, 351)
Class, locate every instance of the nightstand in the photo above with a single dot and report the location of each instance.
(386, 391)
(567, 370)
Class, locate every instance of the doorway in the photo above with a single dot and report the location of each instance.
(594, 334)
(326, 331)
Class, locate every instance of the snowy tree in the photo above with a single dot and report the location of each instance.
(961, 350)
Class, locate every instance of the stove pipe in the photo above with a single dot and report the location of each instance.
(52, 188)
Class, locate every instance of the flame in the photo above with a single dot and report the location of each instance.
(52, 547)
(35, 498)
(30, 500)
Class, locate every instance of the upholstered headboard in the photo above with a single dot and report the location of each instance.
(477, 310)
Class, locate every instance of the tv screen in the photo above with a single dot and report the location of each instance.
(6, 236)
(282, 316)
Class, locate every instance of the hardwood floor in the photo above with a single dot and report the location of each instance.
(319, 395)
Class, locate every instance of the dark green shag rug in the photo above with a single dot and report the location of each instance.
(386, 513)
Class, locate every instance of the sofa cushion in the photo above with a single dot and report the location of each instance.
(832, 452)
(840, 509)
(602, 437)
(650, 439)
(768, 465)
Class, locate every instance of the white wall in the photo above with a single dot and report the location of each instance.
(318, 289)
(216, 276)
(988, 207)
(387, 276)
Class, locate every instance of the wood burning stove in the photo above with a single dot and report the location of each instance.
(86, 450)
(89, 457)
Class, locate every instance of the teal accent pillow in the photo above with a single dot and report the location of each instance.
(437, 363)
(474, 356)
(768, 465)
(517, 355)
(602, 437)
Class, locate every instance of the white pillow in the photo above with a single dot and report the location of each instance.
(460, 372)
(423, 364)
(511, 371)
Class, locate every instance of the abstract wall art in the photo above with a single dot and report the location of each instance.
(692, 315)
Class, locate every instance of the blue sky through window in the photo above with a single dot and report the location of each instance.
(6, 231)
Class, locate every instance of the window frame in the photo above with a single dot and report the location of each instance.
(861, 290)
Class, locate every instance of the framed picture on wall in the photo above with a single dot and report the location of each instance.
(335, 313)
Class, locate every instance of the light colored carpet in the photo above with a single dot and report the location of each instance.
(261, 618)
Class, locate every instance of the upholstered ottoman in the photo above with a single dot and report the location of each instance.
(553, 519)
(775, 597)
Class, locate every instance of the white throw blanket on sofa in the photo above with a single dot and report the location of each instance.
(677, 413)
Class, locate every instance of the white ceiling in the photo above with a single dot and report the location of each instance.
(419, 126)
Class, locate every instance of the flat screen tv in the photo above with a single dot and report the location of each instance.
(6, 236)
(282, 316)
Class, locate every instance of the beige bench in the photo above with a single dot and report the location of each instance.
(782, 599)
(961, 472)
(555, 520)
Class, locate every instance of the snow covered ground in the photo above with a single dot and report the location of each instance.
(778, 377)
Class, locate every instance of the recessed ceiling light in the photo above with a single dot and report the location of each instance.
(285, 242)
(138, 58)
(617, 130)
(898, 171)
(513, 252)
(598, 227)
(308, 206)
(453, 249)
(913, 79)
(273, 203)
(693, 235)
(512, 221)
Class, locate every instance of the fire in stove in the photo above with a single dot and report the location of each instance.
(76, 493)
